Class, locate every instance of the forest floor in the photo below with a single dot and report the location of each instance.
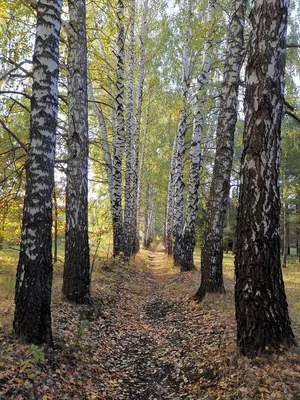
(144, 339)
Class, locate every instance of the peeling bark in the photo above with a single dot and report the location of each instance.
(263, 322)
(32, 319)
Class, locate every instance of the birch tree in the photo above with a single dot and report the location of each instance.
(263, 321)
(119, 141)
(212, 248)
(181, 146)
(137, 130)
(189, 231)
(130, 126)
(76, 280)
(170, 202)
(32, 319)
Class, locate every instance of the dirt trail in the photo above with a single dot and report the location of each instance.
(155, 361)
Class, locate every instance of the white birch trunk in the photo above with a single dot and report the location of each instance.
(76, 279)
(180, 146)
(171, 202)
(263, 322)
(130, 127)
(32, 319)
(119, 140)
(212, 248)
(139, 104)
(104, 141)
(141, 166)
(149, 217)
(189, 231)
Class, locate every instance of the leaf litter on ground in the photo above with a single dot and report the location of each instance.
(144, 339)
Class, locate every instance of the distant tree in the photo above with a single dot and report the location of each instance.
(32, 319)
(170, 202)
(263, 321)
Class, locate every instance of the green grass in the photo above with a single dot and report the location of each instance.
(8, 262)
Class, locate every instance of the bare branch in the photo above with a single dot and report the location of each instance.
(15, 92)
(23, 145)
(293, 46)
(20, 104)
(294, 116)
(289, 105)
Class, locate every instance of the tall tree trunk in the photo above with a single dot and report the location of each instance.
(181, 146)
(130, 128)
(76, 277)
(263, 321)
(212, 248)
(285, 233)
(141, 166)
(189, 231)
(4, 211)
(55, 206)
(298, 231)
(149, 218)
(104, 138)
(32, 319)
(135, 144)
(171, 202)
(119, 135)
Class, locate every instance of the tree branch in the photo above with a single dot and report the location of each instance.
(20, 104)
(289, 105)
(15, 92)
(294, 116)
(293, 46)
(23, 145)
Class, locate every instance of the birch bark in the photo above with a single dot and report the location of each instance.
(104, 138)
(180, 149)
(130, 127)
(139, 104)
(261, 308)
(142, 160)
(32, 318)
(170, 202)
(212, 248)
(76, 277)
(119, 140)
(189, 231)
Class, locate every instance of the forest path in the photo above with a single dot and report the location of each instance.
(159, 352)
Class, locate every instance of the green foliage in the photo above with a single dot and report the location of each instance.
(82, 329)
(34, 355)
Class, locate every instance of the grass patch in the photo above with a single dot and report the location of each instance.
(8, 262)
